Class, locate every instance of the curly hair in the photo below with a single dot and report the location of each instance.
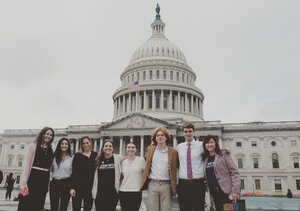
(164, 131)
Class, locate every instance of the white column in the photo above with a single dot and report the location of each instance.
(131, 139)
(121, 146)
(76, 147)
(115, 107)
(129, 103)
(101, 143)
(119, 105)
(123, 104)
(220, 142)
(178, 103)
(137, 104)
(174, 141)
(142, 146)
(153, 99)
(192, 104)
(201, 109)
(95, 145)
(162, 100)
(186, 103)
(145, 99)
(170, 101)
(197, 106)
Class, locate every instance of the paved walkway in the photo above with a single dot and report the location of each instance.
(252, 203)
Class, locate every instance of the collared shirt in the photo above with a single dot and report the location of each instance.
(160, 165)
(196, 158)
(64, 170)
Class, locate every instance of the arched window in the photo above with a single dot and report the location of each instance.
(171, 75)
(177, 76)
(138, 76)
(150, 74)
(165, 74)
(275, 160)
(157, 74)
(144, 75)
(182, 78)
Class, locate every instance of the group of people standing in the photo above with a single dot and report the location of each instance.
(106, 178)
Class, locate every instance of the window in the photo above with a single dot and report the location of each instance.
(255, 163)
(157, 74)
(277, 183)
(240, 163)
(142, 104)
(138, 76)
(20, 162)
(273, 143)
(293, 143)
(22, 146)
(182, 78)
(150, 101)
(254, 143)
(296, 162)
(9, 161)
(171, 75)
(173, 102)
(165, 74)
(177, 76)
(150, 74)
(257, 184)
(298, 184)
(275, 160)
(157, 101)
(242, 184)
(144, 75)
(12, 146)
(18, 179)
(238, 144)
(165, 101)
(187, 79)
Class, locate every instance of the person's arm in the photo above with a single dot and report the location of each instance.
(235, 177)
(27, 166)
(74, 176)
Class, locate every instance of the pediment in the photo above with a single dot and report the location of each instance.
(136, 121)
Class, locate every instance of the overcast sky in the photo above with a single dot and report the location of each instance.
(60, 61)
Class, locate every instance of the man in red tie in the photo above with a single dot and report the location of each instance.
(191, 187)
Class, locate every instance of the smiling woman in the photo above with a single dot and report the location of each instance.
(36, 172)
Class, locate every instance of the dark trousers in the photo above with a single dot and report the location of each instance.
(191, 195)
(38, 187)
(107, 201)
(59, 194)
(8, 192)
(87, 200)
(130, 201)
(219, 197)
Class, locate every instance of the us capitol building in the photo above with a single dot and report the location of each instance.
(158, 89)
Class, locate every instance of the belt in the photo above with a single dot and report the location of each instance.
(191, 180)
(41, 169)
(159, 181)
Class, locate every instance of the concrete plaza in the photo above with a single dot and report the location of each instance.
(252, 203)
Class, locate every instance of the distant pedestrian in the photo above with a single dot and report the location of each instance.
(36, 173)
(289, 194)
(60, 184)
(10, 185)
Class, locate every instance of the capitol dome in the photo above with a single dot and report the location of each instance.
(159, 82)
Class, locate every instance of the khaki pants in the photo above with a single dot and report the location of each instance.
(159, 195)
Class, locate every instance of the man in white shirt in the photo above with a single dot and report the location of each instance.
(191, 187)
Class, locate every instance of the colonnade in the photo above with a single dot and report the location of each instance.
(164, 100)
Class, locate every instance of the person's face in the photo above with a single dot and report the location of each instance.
(188, 134)
(131, 149)
(211, 145)
(64, 146)
(86, 145)
(160, 137)
(108, 148)
(48, 136)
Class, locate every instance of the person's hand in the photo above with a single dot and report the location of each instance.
(227, 150)
(235, 196)
(72, 193)
(124, 158)
(22, 189)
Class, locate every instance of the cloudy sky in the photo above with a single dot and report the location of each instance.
(60, 61)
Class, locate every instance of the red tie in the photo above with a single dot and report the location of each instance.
(189, 162)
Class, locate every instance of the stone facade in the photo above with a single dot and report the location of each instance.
(266, 153)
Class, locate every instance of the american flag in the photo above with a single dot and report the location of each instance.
(133, 85)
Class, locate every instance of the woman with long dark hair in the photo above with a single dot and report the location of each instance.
(107, 178)
(36, 173)
(61, 168)
(132, 174)
(10, 185)
(220, 171)
(83, 175)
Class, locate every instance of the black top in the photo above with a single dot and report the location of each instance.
(210, 173)
(43, 157)
(106, 175)
(83, 170)
(10, 182)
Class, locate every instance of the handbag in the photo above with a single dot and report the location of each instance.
(240, 205)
